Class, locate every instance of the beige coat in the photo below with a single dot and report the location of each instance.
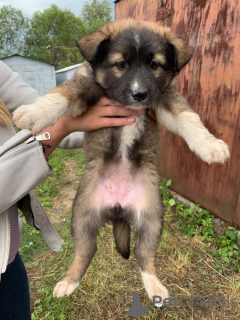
(23, 165)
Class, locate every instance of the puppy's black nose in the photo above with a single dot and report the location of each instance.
(139, 95)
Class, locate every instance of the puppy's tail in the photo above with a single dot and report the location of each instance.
(121, 232)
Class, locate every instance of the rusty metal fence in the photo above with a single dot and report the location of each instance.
(211, 83)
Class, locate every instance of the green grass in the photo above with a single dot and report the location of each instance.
(48, 189)
(193, 221)
(185, 260)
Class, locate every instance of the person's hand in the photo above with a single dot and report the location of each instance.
(152, 115)
(105, 113)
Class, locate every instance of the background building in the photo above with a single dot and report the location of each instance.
(40, 75)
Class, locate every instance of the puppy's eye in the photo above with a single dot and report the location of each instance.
(121, 65)
(154, 65)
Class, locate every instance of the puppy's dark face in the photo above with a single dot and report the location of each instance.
(134, 65)
(136, 68)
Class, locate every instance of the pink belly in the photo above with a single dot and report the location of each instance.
(119, 185)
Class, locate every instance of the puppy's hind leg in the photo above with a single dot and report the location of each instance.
(148, 235)
(84, 230)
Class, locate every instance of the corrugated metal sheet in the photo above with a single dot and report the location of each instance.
(211, 83)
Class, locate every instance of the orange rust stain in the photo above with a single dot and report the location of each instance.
(138, 9)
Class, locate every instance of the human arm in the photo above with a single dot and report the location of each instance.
(23, 171)
(23, 165)
(104, 114)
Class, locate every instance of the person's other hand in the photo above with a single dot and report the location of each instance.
(152, 115)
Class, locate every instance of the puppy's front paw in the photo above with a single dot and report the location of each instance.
(31, 117)
(213, 150)
(64, 288)
(22, 117)
(42, 113)
(154, 287)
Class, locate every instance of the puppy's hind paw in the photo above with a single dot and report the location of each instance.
(64, 288)
(154, 287)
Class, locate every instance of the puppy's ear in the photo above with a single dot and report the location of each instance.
(94, 46)
(178, 51)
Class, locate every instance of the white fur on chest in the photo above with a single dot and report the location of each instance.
(131, 133)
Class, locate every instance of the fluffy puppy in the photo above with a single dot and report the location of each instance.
(134, 63)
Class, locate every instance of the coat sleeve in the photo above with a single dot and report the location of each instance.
(11, 82)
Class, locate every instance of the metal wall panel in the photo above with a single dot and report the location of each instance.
(211, 83)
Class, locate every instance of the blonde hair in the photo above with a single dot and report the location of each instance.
(5, 116)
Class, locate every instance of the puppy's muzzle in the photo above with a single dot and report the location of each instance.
(139, 95)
